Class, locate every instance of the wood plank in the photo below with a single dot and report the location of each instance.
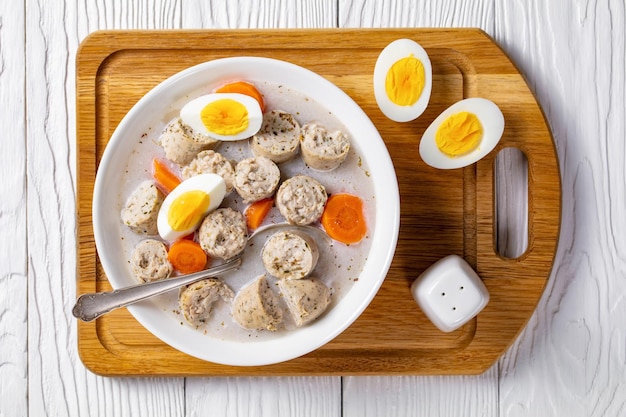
(416, 13)
(246, 14)
(475, 395)
(13, 246)
(515, 285)
(271, 396)
(58, 384)
(570, 358)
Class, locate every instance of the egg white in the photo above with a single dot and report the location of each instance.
(190, 115)
(212, 184)
(492, 121)
(395, 51)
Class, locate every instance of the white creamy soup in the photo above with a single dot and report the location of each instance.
(339, 265)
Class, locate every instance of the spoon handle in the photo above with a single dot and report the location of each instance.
(90, 306)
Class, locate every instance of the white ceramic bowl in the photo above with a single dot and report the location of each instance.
(284, 345)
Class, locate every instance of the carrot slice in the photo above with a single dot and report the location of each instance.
(243, 87)
(343, 218)
(187, 256)
(166, 180)
(256, 212)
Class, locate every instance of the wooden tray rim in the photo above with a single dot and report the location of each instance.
(111, 42)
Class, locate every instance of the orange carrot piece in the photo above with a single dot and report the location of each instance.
(256, 212)
(243, 87)
(166, 180)
(343, 218)
(186, 256)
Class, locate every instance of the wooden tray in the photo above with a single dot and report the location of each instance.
(442, 212)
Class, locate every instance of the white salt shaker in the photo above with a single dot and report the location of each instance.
(450, 293)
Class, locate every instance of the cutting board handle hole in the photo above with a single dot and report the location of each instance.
(511, 203)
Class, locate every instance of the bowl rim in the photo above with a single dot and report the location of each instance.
(383, 239)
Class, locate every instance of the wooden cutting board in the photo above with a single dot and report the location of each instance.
(442, 212)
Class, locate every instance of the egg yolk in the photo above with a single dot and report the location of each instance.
(459, 134)
(187, 210)
(405, 81)
(225, 117)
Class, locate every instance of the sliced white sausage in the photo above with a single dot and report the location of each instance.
(323, 150)
(142, 208)
(301, 200)
(306, 299)
(279, 137)
(196, 300)
(223, 233)
(181, 144)
(149, 261)
(256, 178)
(290, 254)
(256, 306)
(211, 162)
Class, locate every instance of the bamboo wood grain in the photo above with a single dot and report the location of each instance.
(442, 212)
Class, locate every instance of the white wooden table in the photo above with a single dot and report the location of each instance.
(569, 361)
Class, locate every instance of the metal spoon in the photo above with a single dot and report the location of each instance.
(90, 306)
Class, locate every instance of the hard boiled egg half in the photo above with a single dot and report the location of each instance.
(403, 80)
(223, 116)
(462, 134)
(188, 204)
